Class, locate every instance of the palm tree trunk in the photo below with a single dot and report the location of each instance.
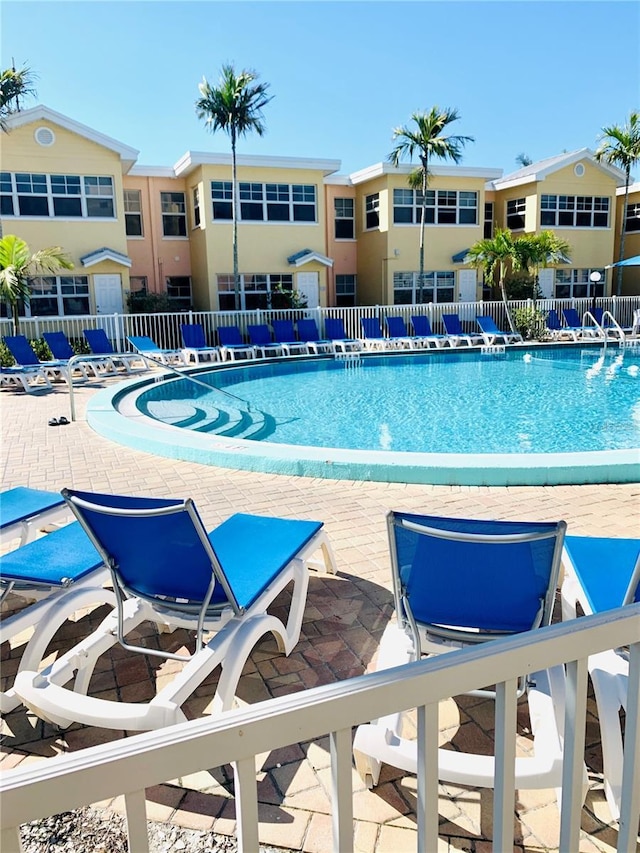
(234, 205)
(503, 293)
(422, 229)
(622, 228)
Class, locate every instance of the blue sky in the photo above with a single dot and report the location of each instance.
(533, 77)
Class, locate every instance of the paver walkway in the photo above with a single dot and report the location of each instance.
(344, 619)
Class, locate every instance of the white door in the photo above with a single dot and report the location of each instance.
(467, 293)
(309, 287)
(108, 293)
(545, 282)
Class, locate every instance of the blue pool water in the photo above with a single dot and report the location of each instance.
(540, 401)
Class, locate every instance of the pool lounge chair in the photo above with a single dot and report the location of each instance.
(262, 342)
(422, 329)
(59, 574)
(397, 329)
(232, 345)
(457, 334)
(601, 574)
(308, 332)
(285, 334)
(374, 338)
(26, 359)
(334, 330)
(150, 351)
(62, 350)
(234, 574)
(491, 333)
(99, 344)
(28, 378)
(505, 580)
(195, 344)
(24, 511)
(555, 328)
(575, 324)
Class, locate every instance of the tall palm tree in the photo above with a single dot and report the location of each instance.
(621, 147)
(17, 265)
(496, 254)
(538, 251)
(235, 106)
(427, 140)
(14, 85)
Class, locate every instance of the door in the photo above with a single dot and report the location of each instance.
(467, 293)
(545, 282)
(108, 293)
(309, 287)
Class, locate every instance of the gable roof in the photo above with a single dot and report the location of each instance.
(127, 154)
(304, 256)
(105, 254)
(540, 170)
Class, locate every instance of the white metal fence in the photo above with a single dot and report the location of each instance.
(129, 766)
(165, 328)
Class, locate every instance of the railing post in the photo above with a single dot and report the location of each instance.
(572, 764)
(136, 811)
(341, 791)
(630, 799)
(504, 779)
(246, 795)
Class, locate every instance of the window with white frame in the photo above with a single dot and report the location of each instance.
(174, 214)
(345, 291)
(372, 211)
(632, 219)
(516, 208)
(196, 207)
(30, 194)
(133, 213)
(344, 221)
(58, 296)
(265, 202)
(437, 286)
(577, 283)
(574, 211)
(488, 220)
(256, 289)
(444, 207)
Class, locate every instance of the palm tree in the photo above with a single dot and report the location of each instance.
(14, 85)
(537, 251)
(496, 254)
(17, 265)
(427, 140)
(234, 106)
(621, 147)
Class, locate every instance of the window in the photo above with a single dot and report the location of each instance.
(344, 222)
(438, 286)
(64, 196)
(574, 211)
(444, 207)
(488, 220)
(58, 296)
(515, 213)
(265, 202)
(179, 290)
(576, 283)
(174, 214)
(345, 291)
(372, 211)
(196, 207)
(133, 213)
(138, 285)
(255, 289)
(632, 219)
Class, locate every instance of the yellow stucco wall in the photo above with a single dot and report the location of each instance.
(630, 275)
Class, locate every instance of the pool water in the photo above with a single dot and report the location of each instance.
(543, 400)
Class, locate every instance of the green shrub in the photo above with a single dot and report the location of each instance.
(150, 303)
(531, 323)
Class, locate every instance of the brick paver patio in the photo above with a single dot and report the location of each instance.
(344, 619)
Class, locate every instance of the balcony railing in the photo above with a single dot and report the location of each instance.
(129, 766)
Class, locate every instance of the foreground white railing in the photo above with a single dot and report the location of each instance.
(129, 766)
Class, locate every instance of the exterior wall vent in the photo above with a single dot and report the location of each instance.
(44, 136)
(578, 170)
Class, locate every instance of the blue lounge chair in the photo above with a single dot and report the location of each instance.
(374, 336)
(62, 350)
(28, 378)
(99, 344)
(150, 351)
(62, 573)
(26, 359)
(24, 511)
(232, 345)
(334, 330)
(167, 569)
(195, 344)
(308, 332)
(457, 334)
(398, 334)
(601, 574)
(555, 328)
(262, 342)
(459, 582)
(491, 333)
(576, 326)
(284, 334)
(422, 330)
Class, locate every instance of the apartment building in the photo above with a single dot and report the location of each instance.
(337, 240)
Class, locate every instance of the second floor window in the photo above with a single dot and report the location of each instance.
(372, 211)
(58, 196)
(344, 223)
(574, 211)
(515, 213)
(265, 202)
(632, 219)
(133, 213)
(444, 207)
(174, 214)
(196, 207)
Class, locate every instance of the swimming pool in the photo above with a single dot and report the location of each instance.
(544, 414)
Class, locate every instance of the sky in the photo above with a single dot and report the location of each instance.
(534, 78)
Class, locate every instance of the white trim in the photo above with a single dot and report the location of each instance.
(127, 154)
(540, 171)
(379, 169)
(633, 188)
(151, 172)
(338, 180)
(192, 159)
(93, 258)
(312, 256)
